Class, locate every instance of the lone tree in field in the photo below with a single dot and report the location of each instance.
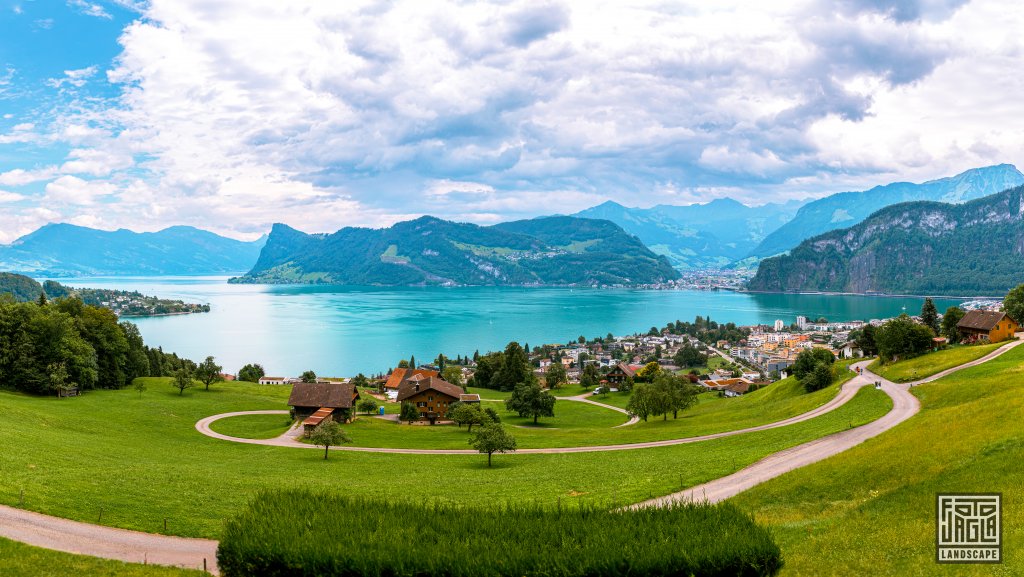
(329, 434)
(368, 406)
(182, 380)
(208, 372)
(493, 438)
(468, 414)
(251, 373)
(308, 377)
(556, 376)
(139, 385)
(529, 400)
(409, 412)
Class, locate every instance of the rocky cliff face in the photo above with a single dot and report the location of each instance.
(916, 248)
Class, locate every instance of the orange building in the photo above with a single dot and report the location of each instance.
(991, 326)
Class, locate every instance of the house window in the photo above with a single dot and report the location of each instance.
(421, 404)
(430, 397)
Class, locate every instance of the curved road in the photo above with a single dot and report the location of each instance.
(134, 546)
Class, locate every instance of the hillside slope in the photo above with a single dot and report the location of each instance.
(428, 250)
(847, 209)
(69, 250)
(976, 248)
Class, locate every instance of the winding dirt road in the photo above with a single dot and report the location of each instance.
(137, 547)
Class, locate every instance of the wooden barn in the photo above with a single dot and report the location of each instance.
(991, 326)
(315, 402)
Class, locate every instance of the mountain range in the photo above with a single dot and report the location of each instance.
(65, 250)
(930, 248)
(711, 235)
(845, 209)
(558, 250)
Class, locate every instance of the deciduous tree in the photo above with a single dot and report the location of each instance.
(308, 377)
(1013, 304)
(208, 372)
(529, 400)
(493, 438)
(368, 405)
(183, 380)
(556, 375)
(329, 434)
(251, 373)
(409, 412)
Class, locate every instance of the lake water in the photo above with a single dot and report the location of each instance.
(340, 331)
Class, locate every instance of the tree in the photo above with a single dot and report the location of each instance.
(409, 412)
(42, 299)
(251, 373)
(930, 316)
(403, 364)
(591, 377)
(515, 368)
(529, 400)
(308, 377)
(819, 378)
(865, 339)
(208, 372)
(137, 362)
(689, 356)
(368, 405)
(808, 359)
(453, 374)
(556, 376)
(487, 368)
(1013, 303)
(182, 380)
(950, 319)
(492, 414)
(139, 385)
(676, 392)
(643, 402)
(467, 414)
(901, 338)
(648, 372)
(360, 381)
(329, 434)
(412, 362)
(493, 438)
(59, 378)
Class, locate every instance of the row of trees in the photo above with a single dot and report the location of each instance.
(666, 394)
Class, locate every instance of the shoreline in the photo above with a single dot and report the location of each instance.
(874, 294)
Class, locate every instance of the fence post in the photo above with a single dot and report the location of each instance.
(21, 499)
(101, 516)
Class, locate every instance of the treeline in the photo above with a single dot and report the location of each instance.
(47, 347)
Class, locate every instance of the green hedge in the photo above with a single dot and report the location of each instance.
(295, 532)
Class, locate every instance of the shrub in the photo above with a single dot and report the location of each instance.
(301, 532)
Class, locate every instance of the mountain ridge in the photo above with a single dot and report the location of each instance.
(546, 251)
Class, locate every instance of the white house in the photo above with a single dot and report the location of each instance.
(273, 380)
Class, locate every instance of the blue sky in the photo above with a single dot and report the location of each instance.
(232, 115)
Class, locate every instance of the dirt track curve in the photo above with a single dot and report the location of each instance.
(138, 547)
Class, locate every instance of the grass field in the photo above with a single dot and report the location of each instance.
(870, 510)
(141, 459)
(253, 426)
(20, 560)
(931, 363)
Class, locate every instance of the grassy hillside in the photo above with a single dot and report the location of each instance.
(870, 510)
(141, 459)
(931, 363)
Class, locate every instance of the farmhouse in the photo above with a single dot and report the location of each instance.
(399, 376)
(315, 402)
(430, 394)
(620, 373)
(991, 326)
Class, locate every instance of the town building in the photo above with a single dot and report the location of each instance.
(991, 326)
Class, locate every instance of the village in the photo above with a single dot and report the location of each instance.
(748, 358)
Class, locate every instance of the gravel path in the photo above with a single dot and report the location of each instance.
(905, 405)
(137, 547)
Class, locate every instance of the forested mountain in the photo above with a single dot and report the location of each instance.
(428, 250)
(975, 248)
(68, 250)
(846, 209)
(20, 287)
(710, 235)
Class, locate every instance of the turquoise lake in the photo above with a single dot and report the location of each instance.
(340, 331)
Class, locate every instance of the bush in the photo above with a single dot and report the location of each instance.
(301, 532)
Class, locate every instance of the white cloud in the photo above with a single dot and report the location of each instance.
(90, 9)
(322, 114)
(71, 190)
(7, 197)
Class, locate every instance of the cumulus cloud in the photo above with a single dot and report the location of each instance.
(325, 114)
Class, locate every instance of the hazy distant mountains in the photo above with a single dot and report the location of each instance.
(975, 248)
(711, 235)
(430, 251)
(68, 250)
(846, 209)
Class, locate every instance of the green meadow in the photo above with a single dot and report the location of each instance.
(20, 560)
(870, 510)
(141, 459)
(931, 363)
